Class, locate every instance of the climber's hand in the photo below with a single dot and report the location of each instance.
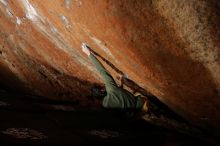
(86, 49)
(120, 78)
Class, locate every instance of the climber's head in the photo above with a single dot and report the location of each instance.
(98, 92)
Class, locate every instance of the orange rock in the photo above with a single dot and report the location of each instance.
(170, 48)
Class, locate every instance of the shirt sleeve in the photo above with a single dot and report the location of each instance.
(108, 79)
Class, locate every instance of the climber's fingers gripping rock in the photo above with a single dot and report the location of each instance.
(86, 49)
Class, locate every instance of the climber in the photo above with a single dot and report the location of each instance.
(117, 97)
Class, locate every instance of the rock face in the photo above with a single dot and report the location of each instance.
(168, 47)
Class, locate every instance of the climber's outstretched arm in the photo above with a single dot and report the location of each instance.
(108, 79)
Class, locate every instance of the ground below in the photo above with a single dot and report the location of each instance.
(30, 121)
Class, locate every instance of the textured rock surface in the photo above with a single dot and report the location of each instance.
(169, 47)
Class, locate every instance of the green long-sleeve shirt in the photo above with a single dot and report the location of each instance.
(116, 97)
